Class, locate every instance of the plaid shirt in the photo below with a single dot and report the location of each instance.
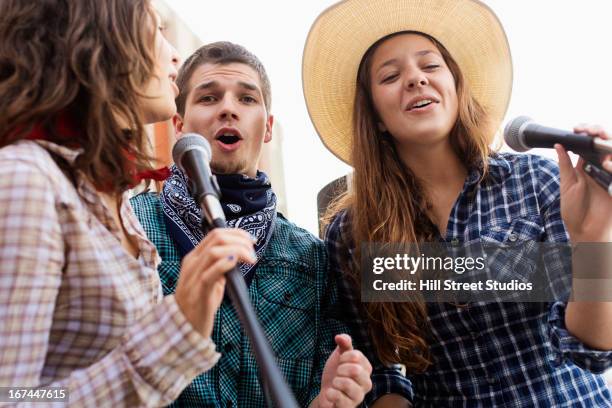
(76, 310)
(495, 354)
(294, 301)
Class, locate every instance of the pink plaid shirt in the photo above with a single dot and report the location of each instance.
(76, 310)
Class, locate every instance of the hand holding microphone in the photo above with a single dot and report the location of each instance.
(590, 142)
(201, 284)
(586, 207)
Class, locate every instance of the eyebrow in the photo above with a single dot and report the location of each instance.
(248, 85)
(394, 60)
(213, 84)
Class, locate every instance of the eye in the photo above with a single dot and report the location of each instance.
(207, 99)
(389, 78)
(248, 99)
(432, 67)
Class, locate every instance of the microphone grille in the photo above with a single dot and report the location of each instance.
(513, 133)
(190, 141)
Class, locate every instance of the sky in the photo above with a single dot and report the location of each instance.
(561, 51)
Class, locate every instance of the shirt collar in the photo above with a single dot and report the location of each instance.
(66, 153)
(499, 170)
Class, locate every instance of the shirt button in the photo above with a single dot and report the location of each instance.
(454, 241)
(491, 380)
(475, 335)
(228, 347)
(558, 361)
(513, 237)
(287, 296)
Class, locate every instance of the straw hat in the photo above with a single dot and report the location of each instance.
(342, 34)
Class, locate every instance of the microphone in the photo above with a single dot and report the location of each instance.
(522, 134)
(192, 154)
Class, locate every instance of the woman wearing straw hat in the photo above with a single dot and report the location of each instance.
(410, 93)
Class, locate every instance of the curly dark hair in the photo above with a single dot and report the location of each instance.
(85, 59)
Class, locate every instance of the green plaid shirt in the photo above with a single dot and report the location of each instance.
(293, 298)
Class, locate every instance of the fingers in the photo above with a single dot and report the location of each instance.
(607, 164)
(235, 245)
(240, 252)
(592, 130)
(344, 342)
(356, 357)
(357, 373)
(345, 392)
(215, 272)
(224, 236)
(568, 176)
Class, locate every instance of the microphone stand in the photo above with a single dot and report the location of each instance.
(276, 390)
(593, 168)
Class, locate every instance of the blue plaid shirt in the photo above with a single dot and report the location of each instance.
(494, 354)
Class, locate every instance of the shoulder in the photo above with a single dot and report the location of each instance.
(148, 210)
(28, 168)
(526, 166)
(295, 243)
(28, 156)
(337, 231)
(526, 175)
(147, 207)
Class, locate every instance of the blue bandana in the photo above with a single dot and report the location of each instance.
(249, 204)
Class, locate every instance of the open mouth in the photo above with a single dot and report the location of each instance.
(421, 104)
(228, 139)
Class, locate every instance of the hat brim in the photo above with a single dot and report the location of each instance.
(341, 35)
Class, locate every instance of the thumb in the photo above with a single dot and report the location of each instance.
(566, 169)
(344, 342)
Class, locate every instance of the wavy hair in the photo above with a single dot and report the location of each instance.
(386, 203)
(85, 60)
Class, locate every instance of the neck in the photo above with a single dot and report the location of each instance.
(437, 166)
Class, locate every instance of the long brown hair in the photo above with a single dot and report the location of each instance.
(85, 60)
(387, 204)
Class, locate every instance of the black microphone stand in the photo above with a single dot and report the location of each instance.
(276, 390)
(593, 168)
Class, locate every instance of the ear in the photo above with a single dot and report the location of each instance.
(269, 124)
(177, 121)
(381, 127)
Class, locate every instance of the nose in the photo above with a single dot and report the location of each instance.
(228, 109)
(416, 79)
(176, 59)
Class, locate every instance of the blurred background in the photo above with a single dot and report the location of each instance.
(562, 76)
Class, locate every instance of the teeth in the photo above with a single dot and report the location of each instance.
(421, 103)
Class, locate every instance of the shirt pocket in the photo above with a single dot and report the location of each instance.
(512, 248)
(288, 308)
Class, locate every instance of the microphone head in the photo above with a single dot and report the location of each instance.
(188, 142)
(513, 133)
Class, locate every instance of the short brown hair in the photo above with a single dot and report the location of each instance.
(85, 59)
(222, 53)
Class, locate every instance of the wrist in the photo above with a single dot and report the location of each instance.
(315, 402)
(584, 237)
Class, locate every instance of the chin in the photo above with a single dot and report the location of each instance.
(160, 114)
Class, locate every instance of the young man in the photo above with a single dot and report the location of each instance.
(225, 97)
